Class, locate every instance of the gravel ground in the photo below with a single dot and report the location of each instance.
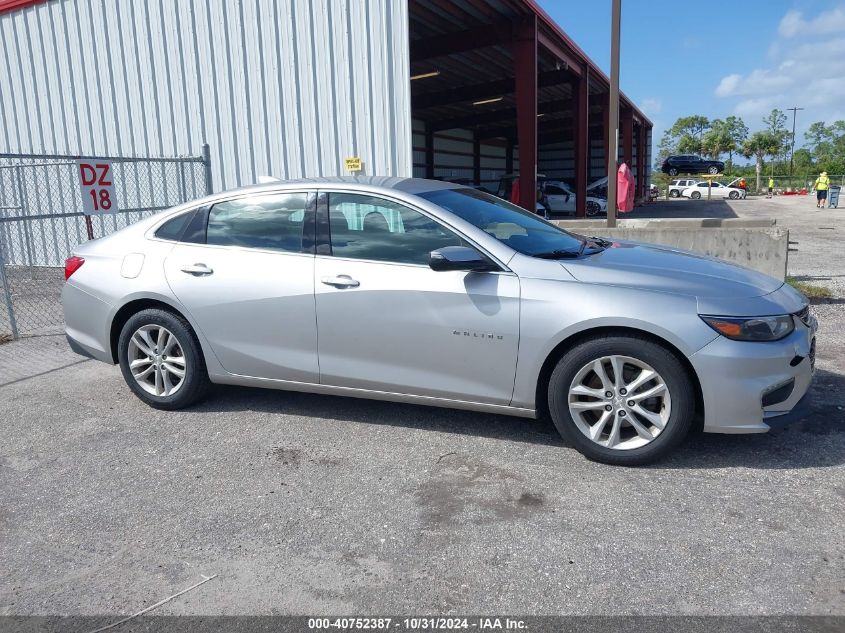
(317, 505)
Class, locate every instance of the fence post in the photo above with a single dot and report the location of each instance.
(206, 161)
(24, 220)
(7, 293)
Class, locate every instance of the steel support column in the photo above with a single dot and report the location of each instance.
(606, 124)
(525, 71)
(627, 136)
(641, 162)
(429, 153)
(476, 161)
(581, 123)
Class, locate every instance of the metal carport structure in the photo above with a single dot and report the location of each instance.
(500, 81)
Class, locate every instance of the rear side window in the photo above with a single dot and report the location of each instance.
(270, 221)
(174, 227)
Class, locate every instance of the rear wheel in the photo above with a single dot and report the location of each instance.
(695, 195)
(161, 360)
(673, 171)
(713, 170)
(593, 208)
(622, 400)
(674, 193)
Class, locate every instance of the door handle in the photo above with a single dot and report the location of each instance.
(341, 281)
(197, 270)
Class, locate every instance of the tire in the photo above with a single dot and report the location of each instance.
(713, 170)
(673, 171)
(160, 385)
(733, 195)
(675, 411)
(593, 208)
(674, 193)
(695, 195)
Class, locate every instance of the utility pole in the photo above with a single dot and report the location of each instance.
(792, 151)
(613, 115)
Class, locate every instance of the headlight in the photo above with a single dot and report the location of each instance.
(765, 328)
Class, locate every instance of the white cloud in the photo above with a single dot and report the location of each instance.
(794, 24)
(651, 106)
(808, 75)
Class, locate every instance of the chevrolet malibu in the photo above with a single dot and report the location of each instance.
(433, 293)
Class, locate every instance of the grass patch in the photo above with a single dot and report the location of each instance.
(811, 291)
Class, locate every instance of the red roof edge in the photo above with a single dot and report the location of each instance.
(11, 5)
(546, 18)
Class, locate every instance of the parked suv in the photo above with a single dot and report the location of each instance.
(678, 185)
(691, 164)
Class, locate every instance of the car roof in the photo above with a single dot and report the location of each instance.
(363, 183)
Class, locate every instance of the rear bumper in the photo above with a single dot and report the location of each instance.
(86, 323)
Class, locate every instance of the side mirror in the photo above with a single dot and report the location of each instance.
(459, 258)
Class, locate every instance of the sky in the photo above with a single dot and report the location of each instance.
(720, 58)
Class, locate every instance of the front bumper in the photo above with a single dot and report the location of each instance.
(735, 376)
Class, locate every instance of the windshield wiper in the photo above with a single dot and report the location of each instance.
(560, 254)
(601, 241)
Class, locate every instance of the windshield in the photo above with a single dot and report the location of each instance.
(511, 225)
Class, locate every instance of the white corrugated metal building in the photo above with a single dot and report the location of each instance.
(437, 88)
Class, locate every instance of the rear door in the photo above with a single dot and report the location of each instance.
(245, 273)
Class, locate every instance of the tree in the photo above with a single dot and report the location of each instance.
(737, 131)
(688, 132)
(759, 145)
(717, 140)
(827, 145)
(776, 127)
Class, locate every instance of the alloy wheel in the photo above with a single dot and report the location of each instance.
(619, 402)
(156, 360)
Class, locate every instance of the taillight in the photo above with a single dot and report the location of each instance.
(72, 264)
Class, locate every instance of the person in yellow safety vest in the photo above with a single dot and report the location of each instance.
(822, 184)
(771, 187)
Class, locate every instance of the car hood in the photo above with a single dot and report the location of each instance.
(665, 269)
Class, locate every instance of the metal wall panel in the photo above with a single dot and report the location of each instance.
(281, 87)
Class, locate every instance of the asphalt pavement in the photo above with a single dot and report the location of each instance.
(304, 504)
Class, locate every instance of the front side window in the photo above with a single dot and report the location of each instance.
(521, 230)
(367, 227)
(269, 221)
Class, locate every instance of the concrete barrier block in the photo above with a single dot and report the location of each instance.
(763, 248)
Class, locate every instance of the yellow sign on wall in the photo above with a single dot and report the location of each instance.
(353, 164)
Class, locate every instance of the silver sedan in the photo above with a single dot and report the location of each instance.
(432, 293)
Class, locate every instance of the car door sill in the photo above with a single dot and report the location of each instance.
(353, 392)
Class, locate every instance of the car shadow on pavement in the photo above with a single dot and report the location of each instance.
(812, 442)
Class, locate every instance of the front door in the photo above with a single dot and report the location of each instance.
(247, 279)
(388, 322)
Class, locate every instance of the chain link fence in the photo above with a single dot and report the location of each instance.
(797, 183)
(41, 220)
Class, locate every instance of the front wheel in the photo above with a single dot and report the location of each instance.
(713, 170)
(695, 195)
(622, 400)
(733, 195)
(673, 171)
(161, 360)
(593, 208)
(675, 193)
